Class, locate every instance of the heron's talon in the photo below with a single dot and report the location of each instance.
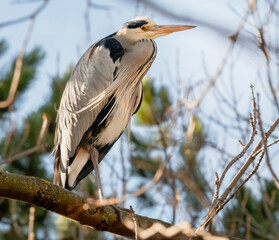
(118, 212)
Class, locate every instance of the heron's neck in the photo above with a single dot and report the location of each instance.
(126, 38)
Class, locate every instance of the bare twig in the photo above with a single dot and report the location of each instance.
(253, 121)
(242, 184)
(268, 145)
(220, 202)
(217, 187)
(212, 212)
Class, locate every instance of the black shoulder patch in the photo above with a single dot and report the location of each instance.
(136, 23)
(115, 48)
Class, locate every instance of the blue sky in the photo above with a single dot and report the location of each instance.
(60, 30)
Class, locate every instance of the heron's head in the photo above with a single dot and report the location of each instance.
(146, 28)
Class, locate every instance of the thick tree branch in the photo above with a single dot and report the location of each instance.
(56, 199)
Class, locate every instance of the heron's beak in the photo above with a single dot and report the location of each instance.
(163, 30)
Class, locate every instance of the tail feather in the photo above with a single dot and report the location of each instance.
(81, 165)
(77, 167)
(68, 177)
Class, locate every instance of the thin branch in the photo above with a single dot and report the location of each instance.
(253, 121)
(217, 187)
(268, 145)
(242, 184)
(214, 208)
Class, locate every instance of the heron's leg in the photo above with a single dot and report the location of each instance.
(94, 154)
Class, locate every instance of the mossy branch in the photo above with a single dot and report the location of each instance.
(56, 199)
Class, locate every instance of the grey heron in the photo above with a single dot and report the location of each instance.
(100, 97)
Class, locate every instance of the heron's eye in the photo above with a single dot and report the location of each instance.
(143, 28)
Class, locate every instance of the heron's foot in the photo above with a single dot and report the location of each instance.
(118, 211)
(95, 210)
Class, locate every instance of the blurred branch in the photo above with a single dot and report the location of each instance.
(12, 209)
(89, 5)
(56, 199)
(31, 233)
(32, 16)
(171, 14)
(40, 147)
(97, 6)
(187, 17)
(274, 177)
(243, 183)
(18, 67)
(135, 222)
(212, 80)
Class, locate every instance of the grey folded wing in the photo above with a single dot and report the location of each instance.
(94, 72)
